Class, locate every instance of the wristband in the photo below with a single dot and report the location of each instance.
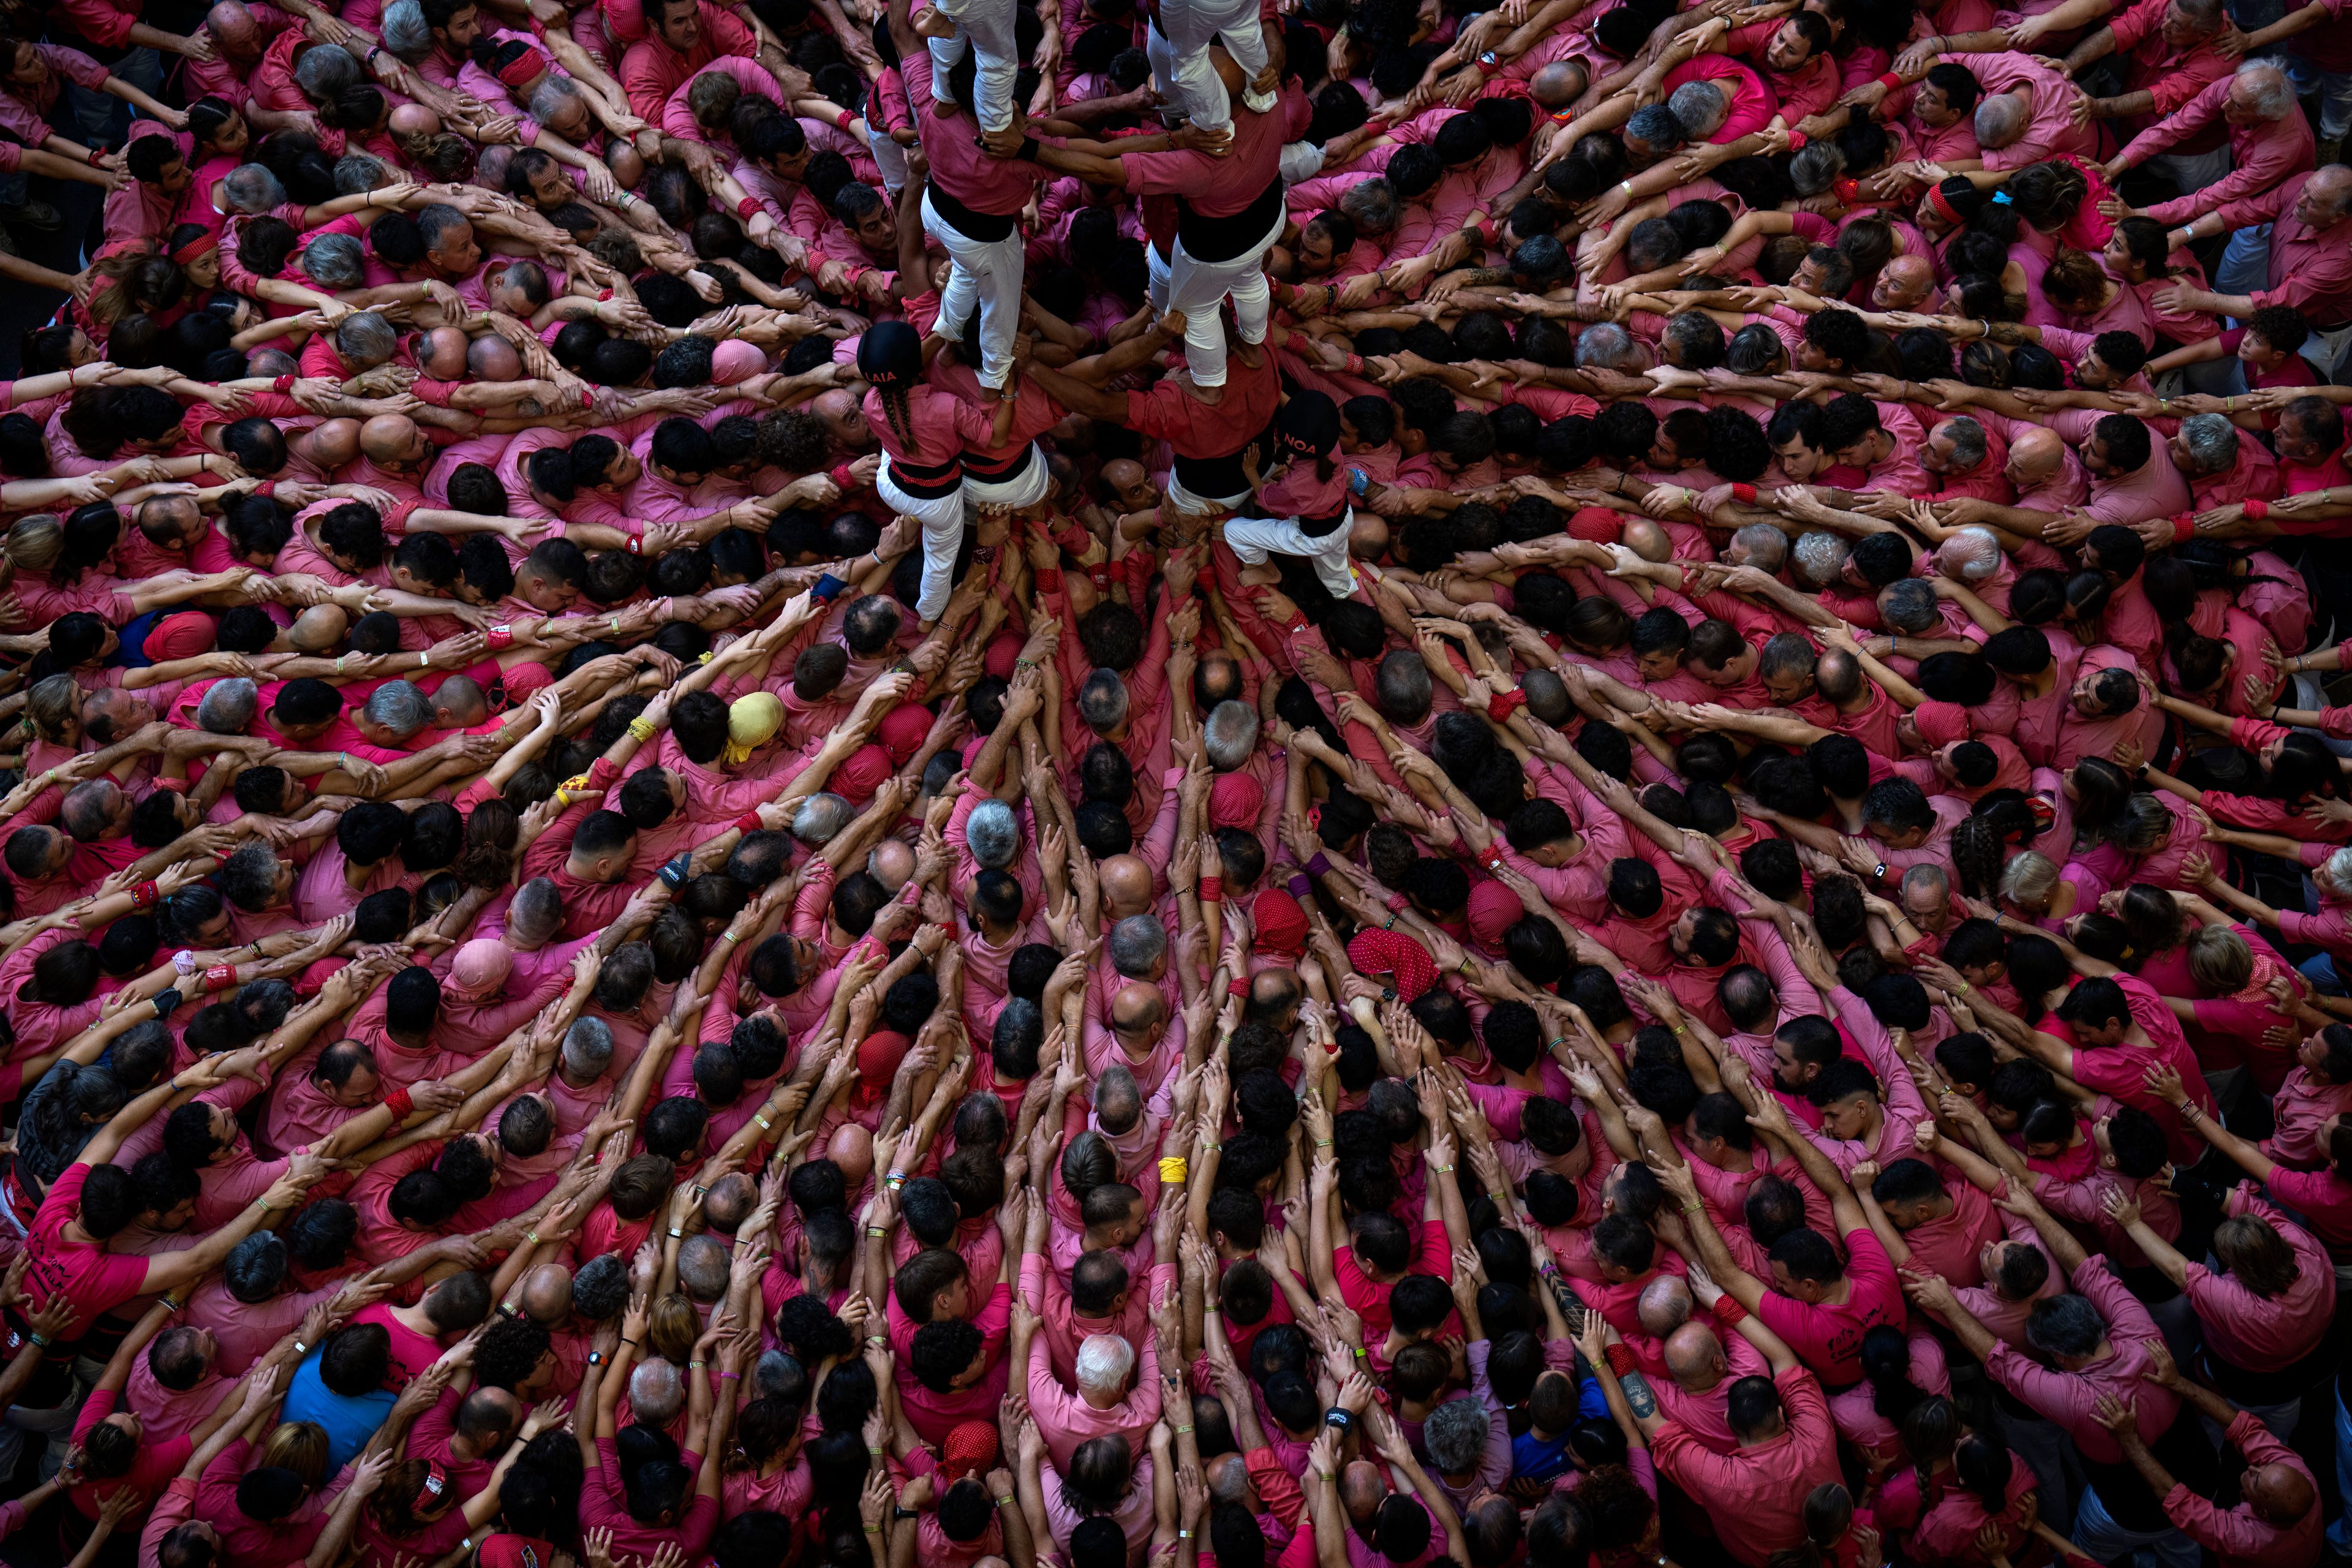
(747, 206)
(266, 488)
(841, 477)
(1848, 191)
(750, 822)
(400, 1104)
(1359, 483)
(673, 873)
(185, 962)
(1797, 140)
(1238, 986)
(828, 588)
(1728, 1311)
(736, 1375)
(2257, 510)
(635, 544)
(282, 385)
(1213, 889)
(1745, 494)
(39, 1340)
(1352, 365)
(1321, 866)
(1891, 82)
(167, 1003)
(143, 896)
(1299, 886)
(1172, 1170)
(220, 977)
(1049, 580)
(642, 730)
(1620, 1359)
(1502, 704)
(1338, 1418)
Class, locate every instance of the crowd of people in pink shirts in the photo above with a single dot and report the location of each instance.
(1274, 784)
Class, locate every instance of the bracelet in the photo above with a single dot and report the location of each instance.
(1441, 1170)
(696, 1365)
(1003, 1500)
(531, 1236)
(631, 1344)
(1182, 1430)
(675, 1234)
(736, 1375)
(40, 1341)
(641, 730)
(874, 1529)
(875, 1230)
(300, 1348)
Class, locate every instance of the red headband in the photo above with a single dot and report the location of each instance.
(203, 244)
(1943, 205)
(523, 68)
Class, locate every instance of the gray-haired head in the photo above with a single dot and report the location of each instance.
(1104, 1362)
(251, 189)
(1817, 558)
(1700, 108)
(1118, 1098)
(656, 1392)
(356, 174)
(775, 1372)
(1455, 1435)
(1605, 346)
(1973, 553)
(1926, 887)
(552, 97)
(1229, 734)
(406, 33)
(1816, 167)
(366, 340)
(1136, 943)
(588, 1046)
(399, 708)
(326, 71)
(702, 1267)
(1909, 606)
(536, 912)
(2000, 120)
(1102, 701)
(2262, 88)
(1371, 205)
(229, 707)
(336, 260)
(1968, 439)
(1658, 125)
(1763, 546)
(992, 834)
(821, 816)
(436, 221)
(2211, 442)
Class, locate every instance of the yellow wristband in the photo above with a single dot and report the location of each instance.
(640, 728)
(1172, 1169)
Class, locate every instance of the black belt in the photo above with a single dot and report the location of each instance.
(999, 470)
(984, 228)
(928, 481)
(1228, 238)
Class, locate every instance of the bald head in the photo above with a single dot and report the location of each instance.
(1558, 85)
(851, 1149)
(1695, 1358)
(320, 629)
(1137, 1006)
(2000, 120)
(459, 703)
(443, 353)
(1362, 1489)
(414, 119)
(2279, 1494)
(1125, 884)
(658, 1392)
(491, 358)
(1228, 1479)
(1665, 1305)
(1367, 536)
(1645, 539)
(547, 1294)
(388, 439)
(1903, 284)
(233, 27)
(489, 1413)
(891, 863)
(730, 1202)
(2035, 457)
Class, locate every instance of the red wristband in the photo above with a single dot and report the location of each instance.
(1049, 580)
(144, 896)
(1745, 494)
(266, 488)
(220, 977)
(844, 120)
(2184, 527)
(1213, 889)
(635, 544)
(498, 638)
(1797, 140)
(283, 384)
(1620, 1359)
(1847, 191)
(399, 1103)
(747, 206)
(840, 475)
(2257, 510)
(603, 295)
(1728, 1311)
(750, 822)
(1238, 986)
(1891, 82)
(1502, 704)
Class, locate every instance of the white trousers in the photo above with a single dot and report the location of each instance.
(942, 521)
(1252, 538)
(1198, 287)
(1186, 74)
(985, 26)
(987, 273)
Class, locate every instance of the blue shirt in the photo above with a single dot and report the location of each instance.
(349, 1420)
